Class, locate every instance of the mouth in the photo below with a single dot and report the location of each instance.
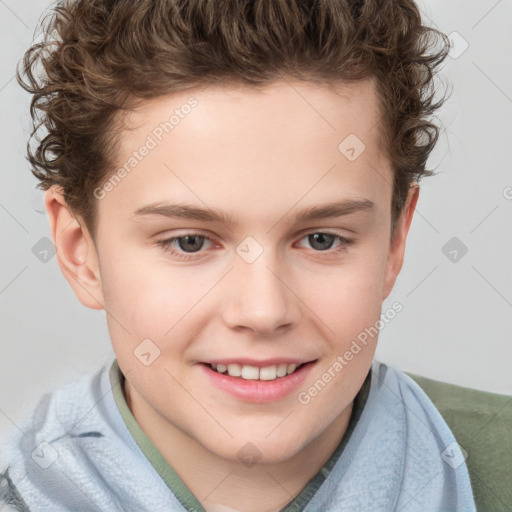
(258, 381)
(252, 372)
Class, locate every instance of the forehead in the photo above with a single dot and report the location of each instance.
(235, 109)
(283, 144)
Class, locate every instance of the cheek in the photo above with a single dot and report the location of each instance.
(147, 301)
(350, 307)
(348, 299)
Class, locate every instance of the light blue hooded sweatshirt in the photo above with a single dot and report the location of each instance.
(77, 454)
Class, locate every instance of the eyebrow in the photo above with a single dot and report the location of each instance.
(310, 213)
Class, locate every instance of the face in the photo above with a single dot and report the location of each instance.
(216, 246)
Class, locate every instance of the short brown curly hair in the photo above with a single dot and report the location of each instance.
(98, 56)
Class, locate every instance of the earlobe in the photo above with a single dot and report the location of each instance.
(397, 246)
(76, 251)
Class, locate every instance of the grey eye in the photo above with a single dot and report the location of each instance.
(190, 243)
(321, 241)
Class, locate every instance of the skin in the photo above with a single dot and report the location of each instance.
(260, 156)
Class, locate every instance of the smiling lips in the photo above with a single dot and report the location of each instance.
(250, 372)
(253, 369)
(258, 381)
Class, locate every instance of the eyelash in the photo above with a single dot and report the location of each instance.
(166, 244)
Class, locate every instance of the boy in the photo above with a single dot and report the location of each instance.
(233, 183)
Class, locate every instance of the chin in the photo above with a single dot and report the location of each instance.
(258, 449)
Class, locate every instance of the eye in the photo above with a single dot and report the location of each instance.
(322, 241)
(188, 243)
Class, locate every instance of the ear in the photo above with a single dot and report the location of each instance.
(76, 251)
(397, 245)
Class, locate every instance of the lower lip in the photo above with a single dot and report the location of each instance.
(259, 391)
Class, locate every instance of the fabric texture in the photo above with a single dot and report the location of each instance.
(77, 454)
(482, 424)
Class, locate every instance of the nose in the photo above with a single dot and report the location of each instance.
(261, 298)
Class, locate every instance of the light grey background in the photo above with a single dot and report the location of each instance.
(456, 320)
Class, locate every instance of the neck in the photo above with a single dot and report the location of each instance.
(226, 485)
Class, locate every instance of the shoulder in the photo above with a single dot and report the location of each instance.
(398, 447)
(63, 409)
(398, 406)
(74, 449)
(482, 425)
(396, 383)
(67, 412)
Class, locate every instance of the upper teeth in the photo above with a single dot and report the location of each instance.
(254, 372)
